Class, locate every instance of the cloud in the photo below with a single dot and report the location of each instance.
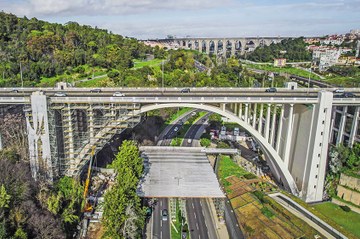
(105, 7)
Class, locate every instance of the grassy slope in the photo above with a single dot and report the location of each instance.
(349, 221)
(290, 70)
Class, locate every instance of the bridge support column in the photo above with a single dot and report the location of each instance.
(246, 112)
(71, 135)
(279, 132)
(223, 106)
(254, 116)
(240, 111)
(249, 114)
(267, 123)
(288, 136)
(216, 44)
(37, 125)
(90, 115)
(193, 47)
(235, 108)
(207, 46)
(273, 126)
(340, 135)
(261, 118)
(233, 42)
(224, 48)
(200, 45)
(354, 125)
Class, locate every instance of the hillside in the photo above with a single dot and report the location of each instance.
(49, 49)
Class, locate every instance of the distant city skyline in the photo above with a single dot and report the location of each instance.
(146, 19)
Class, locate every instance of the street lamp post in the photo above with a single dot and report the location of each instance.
(309, 80)
(162, 76)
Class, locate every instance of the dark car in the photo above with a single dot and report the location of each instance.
(95, 90)
(186, 90)
(272, 89)
(348, 95)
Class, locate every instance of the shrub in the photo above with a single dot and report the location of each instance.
(345, 208)
(205, 142)
(261, 196)
(266, 211)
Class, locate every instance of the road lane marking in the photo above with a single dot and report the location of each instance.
(192, 205)
(161, 223)
(195, 215)
(160, 234)
(197, 226)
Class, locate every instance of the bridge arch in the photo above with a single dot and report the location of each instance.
(275, 159)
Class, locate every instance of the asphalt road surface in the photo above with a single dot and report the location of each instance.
(160, 227)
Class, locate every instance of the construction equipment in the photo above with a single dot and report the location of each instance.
(88, 206)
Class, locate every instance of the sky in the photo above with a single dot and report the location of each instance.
(150, 19)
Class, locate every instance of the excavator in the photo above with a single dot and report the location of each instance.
(88, 205)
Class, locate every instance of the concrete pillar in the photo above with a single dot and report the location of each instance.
(207, 46)
(279, 132)
(354, 126)
(339, 139)
(288, 136)
(224, 48)
(71, 135)
(193, 47)
(223, 106)
(38, 136)
(261, 118)
(216, 42)
(267, 123)
(90, 114)
(235, 108)
(273, 125)
(200, 45)
(240, 111)
(246, 112)
(243, 45)
(249, 114)
(254, 116)
(233, 42)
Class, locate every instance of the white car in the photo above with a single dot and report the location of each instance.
(189, 141)
(340, 90)
(60, 94)
(118, 94)
(176, 129)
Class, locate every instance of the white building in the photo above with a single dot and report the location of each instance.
(325, 58)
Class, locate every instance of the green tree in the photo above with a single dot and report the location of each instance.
(123, 214)
(4, 198)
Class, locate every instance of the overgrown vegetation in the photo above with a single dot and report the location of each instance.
(124, 216)
(30, 209)
(342, 160)
(49, 49)
(291, 49)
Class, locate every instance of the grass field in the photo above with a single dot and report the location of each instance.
(151, 63)
(228, 168)
(349, 221)
(289, 70)
(92, 83)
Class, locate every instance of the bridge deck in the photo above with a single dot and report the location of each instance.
(178, 173)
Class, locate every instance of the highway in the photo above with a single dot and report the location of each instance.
(194, 206)
(160, 227)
